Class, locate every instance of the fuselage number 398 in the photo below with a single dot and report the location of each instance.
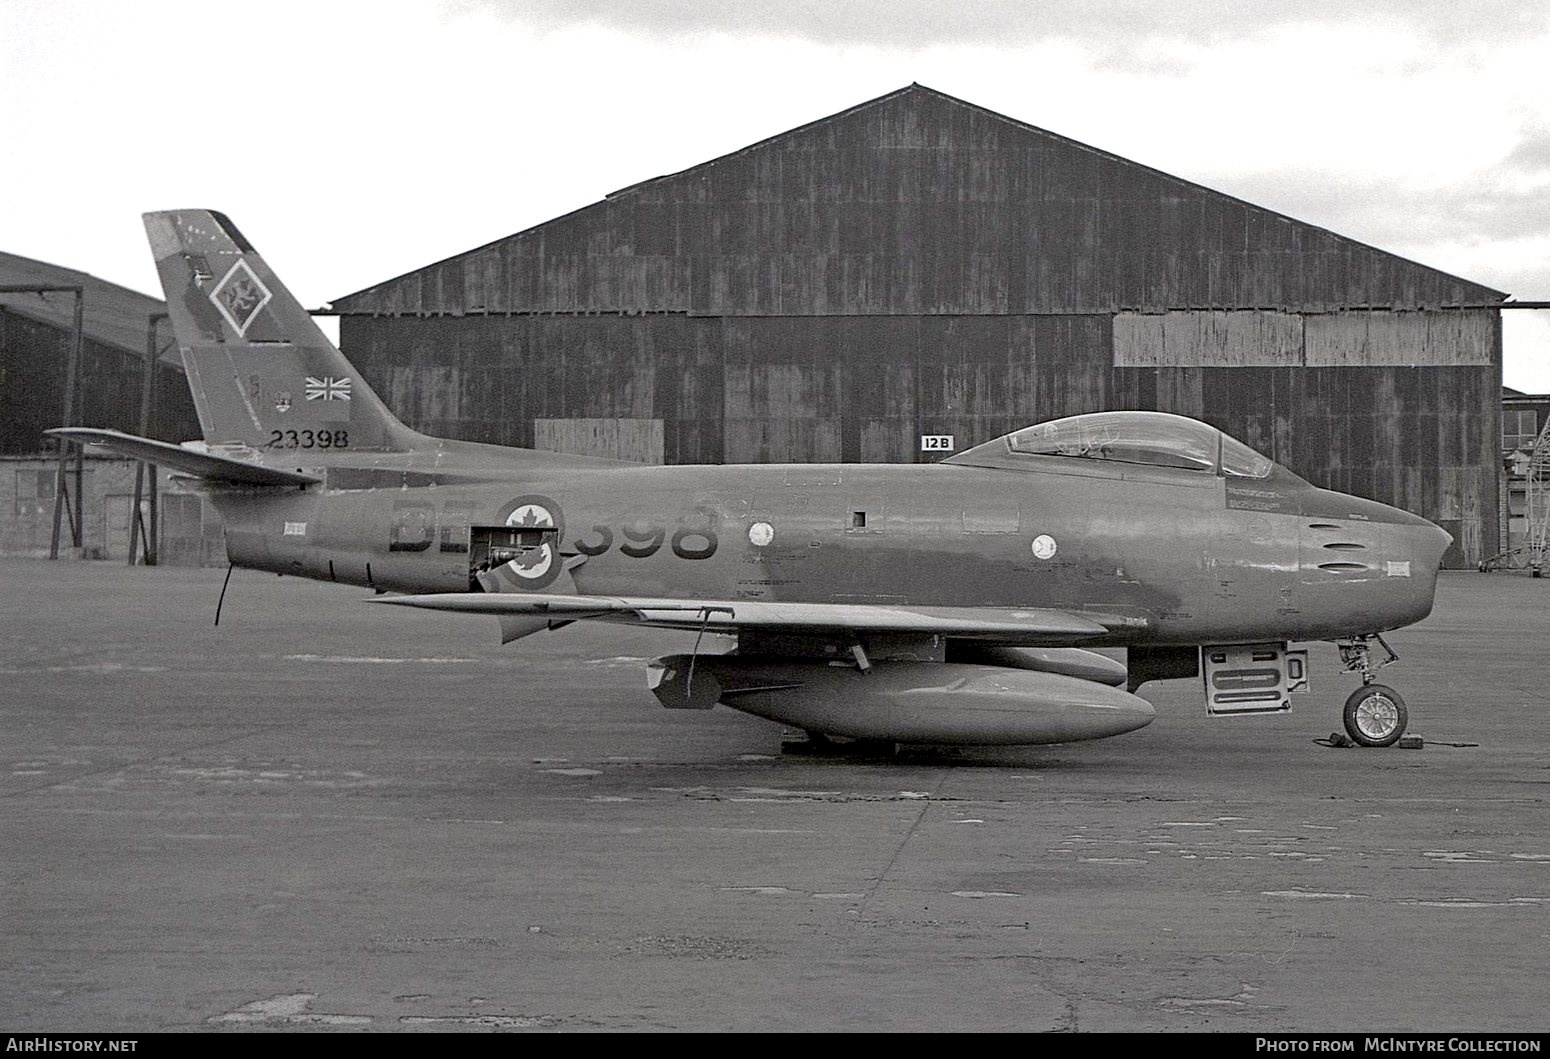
(643, 539)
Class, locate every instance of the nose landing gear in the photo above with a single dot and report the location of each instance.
(1374, 714)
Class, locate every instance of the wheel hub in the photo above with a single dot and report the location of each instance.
(1377, 716)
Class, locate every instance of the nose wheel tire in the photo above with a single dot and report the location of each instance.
(1375, 715)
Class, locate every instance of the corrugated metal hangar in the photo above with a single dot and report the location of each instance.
(917, 265)
(37, 321)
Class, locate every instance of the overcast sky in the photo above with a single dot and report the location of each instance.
(353, 142)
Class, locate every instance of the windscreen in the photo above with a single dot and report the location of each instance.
(1154, 439)
(1149, 438)
(1240, 461)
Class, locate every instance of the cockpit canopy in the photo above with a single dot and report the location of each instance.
(1153, 439)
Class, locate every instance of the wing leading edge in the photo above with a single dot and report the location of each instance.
(1001, 625)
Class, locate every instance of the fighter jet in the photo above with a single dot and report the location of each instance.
(959, 602)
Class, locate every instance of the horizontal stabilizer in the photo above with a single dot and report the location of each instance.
(1005, 625)
(189, 461)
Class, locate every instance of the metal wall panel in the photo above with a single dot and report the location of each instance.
(635, 440)
(1356, 339)
(1195, 339)
(1263, 338)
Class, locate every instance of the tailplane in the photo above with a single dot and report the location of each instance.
(262, 373)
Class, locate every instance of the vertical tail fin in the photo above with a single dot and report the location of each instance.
(261, 372)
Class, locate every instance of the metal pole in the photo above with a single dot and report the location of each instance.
(72, 391)
(154, 551)
(153, 539)
(139, 532)
(136, 523)
(134, 514)
(78, 524)
(61, 481)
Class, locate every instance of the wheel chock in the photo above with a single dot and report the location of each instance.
(1340, 741)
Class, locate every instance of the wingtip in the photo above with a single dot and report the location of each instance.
(83, 434)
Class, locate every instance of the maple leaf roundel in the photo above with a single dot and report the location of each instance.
(537, 567)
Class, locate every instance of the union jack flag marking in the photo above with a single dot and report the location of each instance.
(327, 388)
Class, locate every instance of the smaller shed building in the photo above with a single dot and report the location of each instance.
(1524, 417)
(37, 333)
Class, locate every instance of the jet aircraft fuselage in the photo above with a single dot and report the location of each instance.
(1154, 554)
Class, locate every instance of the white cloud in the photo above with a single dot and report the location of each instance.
(1117, 24)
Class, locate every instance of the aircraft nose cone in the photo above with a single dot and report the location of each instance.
(1444, 538)
(1433, 544)
(1427, 542)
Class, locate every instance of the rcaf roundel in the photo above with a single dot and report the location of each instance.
(539, 567)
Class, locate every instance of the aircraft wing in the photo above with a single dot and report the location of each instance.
(189, 461)
(999, 624)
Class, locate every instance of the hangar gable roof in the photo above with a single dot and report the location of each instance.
(916, 202)
(112, 315)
